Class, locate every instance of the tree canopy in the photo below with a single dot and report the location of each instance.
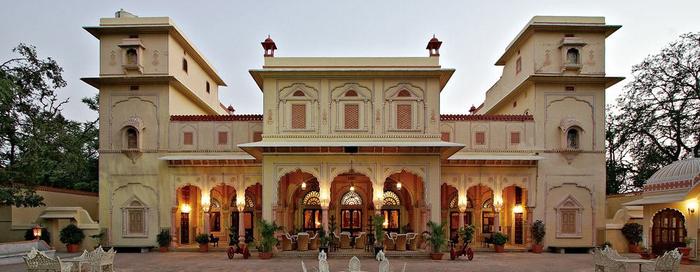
(656, 119)
(38, 145)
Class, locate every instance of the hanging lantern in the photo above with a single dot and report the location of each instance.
(352, 187)
(398, 185)
(36, 230)
(303, 185)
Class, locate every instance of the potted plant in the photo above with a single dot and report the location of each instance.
(538, 232)
(72, 236)
(466, 233)
(499, 239)
(203, 241)
(378, 224)
(267, 239)
(437, 239)
(685, 251)
(633, 234)
(324, 241)
(163, 238)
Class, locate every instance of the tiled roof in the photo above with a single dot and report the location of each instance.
(234, 117)
(480, 117)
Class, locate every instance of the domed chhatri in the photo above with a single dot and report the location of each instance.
(677, 175)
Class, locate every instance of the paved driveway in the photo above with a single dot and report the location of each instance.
(217, 261)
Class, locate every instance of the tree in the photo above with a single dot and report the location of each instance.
(656, 122)
(38, 145)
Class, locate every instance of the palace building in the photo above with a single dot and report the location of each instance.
(343, 138)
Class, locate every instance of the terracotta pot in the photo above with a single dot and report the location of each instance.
(634, 248)
(163, 249)
(204, 247)
(685, 251)
(536, 248)
(72, 248)
(264, 255)
(499, 248)
(436, 256)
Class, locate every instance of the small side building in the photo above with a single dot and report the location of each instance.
(62, 207)
(670, 202)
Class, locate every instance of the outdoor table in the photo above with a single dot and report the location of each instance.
(76, 261)
(640, 262)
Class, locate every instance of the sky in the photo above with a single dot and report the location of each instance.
(228, 33)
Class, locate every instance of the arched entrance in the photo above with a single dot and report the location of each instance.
(299, 204)
(667, 231)
(188, 213)
(351, 195)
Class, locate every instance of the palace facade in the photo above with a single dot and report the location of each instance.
(341, 139)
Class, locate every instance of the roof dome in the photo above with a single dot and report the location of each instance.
(677, 171)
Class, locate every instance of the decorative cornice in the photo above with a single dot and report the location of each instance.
(487, 117)
(216, 118)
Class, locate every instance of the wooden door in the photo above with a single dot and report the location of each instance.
(518, 235)
(667, 231)
(184, 228)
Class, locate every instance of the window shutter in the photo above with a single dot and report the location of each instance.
(298, 116)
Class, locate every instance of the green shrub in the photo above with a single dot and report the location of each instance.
(538, 231)
(633, 232)
(202, 238)
(164, 238)
(267, 235)
(378, 223)
(499, 238)
(467, 233)
(437, 238)
(72, 235)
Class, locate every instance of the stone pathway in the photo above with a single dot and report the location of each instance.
(217, 261)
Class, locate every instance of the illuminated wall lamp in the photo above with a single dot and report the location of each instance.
(692, 206)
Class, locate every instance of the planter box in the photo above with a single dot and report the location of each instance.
(436, 256)
(72, 248)
(264, 255)
(537, 248)
(499, 249)
(204, 247)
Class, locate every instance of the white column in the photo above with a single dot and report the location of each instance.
(324, 217)
(461, 219)
(241, 225)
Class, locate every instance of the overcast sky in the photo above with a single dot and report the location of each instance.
(229, 33)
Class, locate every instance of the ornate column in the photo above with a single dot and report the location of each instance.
(241, 224)
(324, 217)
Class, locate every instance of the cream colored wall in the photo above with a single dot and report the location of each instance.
(511, 79)
(181, 104)
(548, 55)
(497, 134)
(195, 78)
(323, 125)
(153, 58)
(206, 134)
(15, 221)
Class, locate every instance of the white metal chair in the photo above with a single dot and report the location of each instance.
(604, 263)
(669, 262)
(37, 261)
(354, 265)
(612, 253)
(384, 265)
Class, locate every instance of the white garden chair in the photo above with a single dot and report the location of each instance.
(37, 261)
(354, 265)
(384, 265)
(604, 263)
(323, 262)
(669, 262)
(612, 253)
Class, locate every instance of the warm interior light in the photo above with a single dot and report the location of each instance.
(398, 185)
(352, 187)
(303, 185)
(692, 205)
(518, 209)
(386, 223)
(185, 208)
(37, 231)
(206, 202)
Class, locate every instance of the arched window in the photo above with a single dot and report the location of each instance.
(351, 198)
(132, 138)
(572, 138)
(215, 216)
(134, 214)
(249, 203)
(131, 57)
(312, 198)
(391, 199)
(569, 215)
(351, 93)
(404, 93)
(298, 93)
(488, 204)
(572, 56)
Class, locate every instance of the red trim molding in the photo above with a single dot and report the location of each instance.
(489, 117)
(234, 117)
